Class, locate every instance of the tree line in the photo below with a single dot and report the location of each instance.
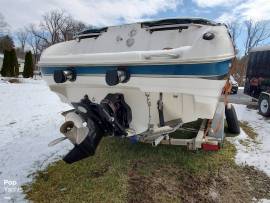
(56, 26)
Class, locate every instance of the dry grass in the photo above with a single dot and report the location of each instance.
(248, 129)
(14, 80)
(125, 172)
(245, 143)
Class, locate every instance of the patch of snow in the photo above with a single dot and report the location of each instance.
(240, 88)
(30, 119)
(257, 153)
(264, 201)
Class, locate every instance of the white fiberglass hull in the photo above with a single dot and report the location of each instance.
(187, 60)
(183, 98)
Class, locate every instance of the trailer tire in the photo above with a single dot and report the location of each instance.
(264, 105)
(231, 118)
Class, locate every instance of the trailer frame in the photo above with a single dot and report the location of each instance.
(210, 135)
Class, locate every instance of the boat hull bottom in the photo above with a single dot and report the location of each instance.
(183, 98)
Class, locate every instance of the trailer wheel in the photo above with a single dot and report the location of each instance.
(231, 118)
(264, 105)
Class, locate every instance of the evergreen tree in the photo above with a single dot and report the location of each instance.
(5, 71)
(14, 64)
(10, 67)
(28, 65)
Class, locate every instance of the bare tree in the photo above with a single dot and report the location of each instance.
(235, 30)
(70, 27)
(6, 43)
(256, 33)
(3, 26)
(51, 25)
(22, 35)
(56, 26)
(35, 41)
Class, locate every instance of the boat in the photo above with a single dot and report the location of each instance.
(135, 79)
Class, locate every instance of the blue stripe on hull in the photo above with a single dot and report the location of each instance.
(203, 69)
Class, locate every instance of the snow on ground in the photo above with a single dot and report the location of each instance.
(255, 153)
(30, 119)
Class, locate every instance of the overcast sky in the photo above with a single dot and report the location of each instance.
(110, 12)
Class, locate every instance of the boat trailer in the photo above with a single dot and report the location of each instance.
(210, 135)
